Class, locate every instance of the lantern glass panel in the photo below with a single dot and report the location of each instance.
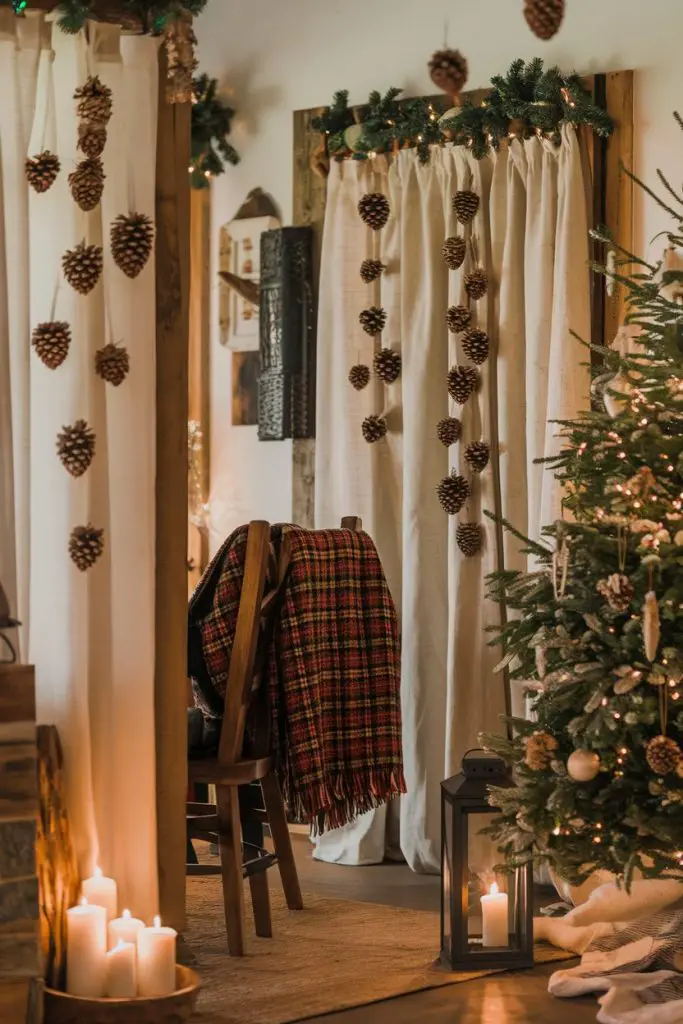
(447, 881)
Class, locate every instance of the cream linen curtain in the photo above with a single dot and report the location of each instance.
(532, 238)
(89, 635)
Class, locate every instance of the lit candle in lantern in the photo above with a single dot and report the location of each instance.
(102, 892)
(121, 977)
(86, 950)
(124, 929)
(494, 914)
(156, 960)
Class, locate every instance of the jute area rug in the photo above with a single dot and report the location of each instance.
(331, 956)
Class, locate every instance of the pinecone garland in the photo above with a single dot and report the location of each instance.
(359, 376)
(469, 538)
(477, 454)
(51, 341)
(465, 205)
(86, 545)
(476, 283)
(112, 364)
(76, 447)
(370, 270)
(462, 381)
(663, 755)
(448, 71)
(92, 138)
(539, 750)
(87, 183)
(374, 210)
(374, 428)
(618, 591)
(387, 365)
(372, 320)
(544, 17)
(448, 430)
(453, 492)
(94, 101)
(458, 318)
(453, 252)
(132, 238)
(42, 170)
(475, 345)
(82, 267)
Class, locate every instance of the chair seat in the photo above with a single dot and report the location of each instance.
(239, 774)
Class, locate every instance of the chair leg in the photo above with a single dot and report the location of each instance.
(260, 901)
(282, 841)
(230, 841)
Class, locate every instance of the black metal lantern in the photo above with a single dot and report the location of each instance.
(486, 916)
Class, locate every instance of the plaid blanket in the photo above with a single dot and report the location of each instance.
(333, 670)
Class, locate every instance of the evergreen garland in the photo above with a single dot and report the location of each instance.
(211, 121)
(154, 15)
(334, 122)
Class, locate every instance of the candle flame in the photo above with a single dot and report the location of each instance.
(157, 922)
(126, 915)
(98, 872)
(494, 890)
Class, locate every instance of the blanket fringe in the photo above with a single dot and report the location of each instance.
(343, 799)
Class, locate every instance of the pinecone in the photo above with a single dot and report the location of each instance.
(453, 492)
(453, 252)
(112, 364)
(539, 750)
(87, 183)
(448, 71)
(372, 320)
(544, 17)
(469, 538)
(448, 430)
(131, 242)
(92, 138)
(462, 381)
(387, 364)
(663, 755)
(476, 283)
(82, 267)
(86, 545)
(618, 590)
(458, 318)
(374, 210)
(76, 447)
(477, 454)
(475, 345)
(359, 376)
(94, 101)
(42, 170)
(51, 341)
(370, 270)
(465, 205)
(374, 428)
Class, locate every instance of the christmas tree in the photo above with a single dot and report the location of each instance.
(596, 626)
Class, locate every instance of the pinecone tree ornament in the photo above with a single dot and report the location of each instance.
(76, 447)
(87, 183)
(42, 170)
(477, 455)
(475, 345)
(387, 365)
(663, 755)
(51, 341)
(469, 538)
(94, 101)
(112, 364)
(372, 320)
(359, 376)
(371, 270)
(132, 238)
(465, 205)
(462, 382)
(92, 138)
(544, 17)
(374, 210)
(448, 430)
(476, 283)
(539, 750)
(374, 428)
(453, 252)
(82, 267)
(453, 492)
(618, 590)
(448, 71)
(458, 318)
(86, 545)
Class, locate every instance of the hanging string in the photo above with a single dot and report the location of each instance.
(53, 308)
(49, 105)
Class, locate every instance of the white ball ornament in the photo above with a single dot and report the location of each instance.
(583, 765)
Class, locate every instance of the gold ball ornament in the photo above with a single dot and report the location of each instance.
(583, 765)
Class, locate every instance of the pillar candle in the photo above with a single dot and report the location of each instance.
(124, 929)
(121, 978)
(86, 950)
(494, 914)
(102, 892)
(156, 960)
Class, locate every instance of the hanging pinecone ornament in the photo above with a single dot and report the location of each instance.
(387, 364)
(87, 183)
(92, 138)
(82, 267)
(374, 210)
(448, 430)
(94, 101)
(374, 428)
(618, 591)
(42, 170)
(453, 492)
(453, 252)
(458, 318)
(86, 545)
(475, 345)
(76, 447)
(359, 376)
(370, 270)
(469, 538)
(465, 205)
(112, 364)
(476, 283)
(663, 755)
(462, 382)
(448, 71)
(477, 454)
(539, 750)
(372, 320)
(51, 341)
(544, 17)
(132, 238)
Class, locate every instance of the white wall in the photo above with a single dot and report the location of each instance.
(277, 56)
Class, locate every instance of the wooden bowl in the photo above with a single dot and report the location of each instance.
(61, 1008)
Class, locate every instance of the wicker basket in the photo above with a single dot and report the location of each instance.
(61, 1008)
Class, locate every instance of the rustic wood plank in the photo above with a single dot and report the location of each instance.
(19, 907)
(17, 848)
(17, 694)
(618, 185)
(14, 1000)
(18, 780)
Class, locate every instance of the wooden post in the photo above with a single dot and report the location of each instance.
(172, 295)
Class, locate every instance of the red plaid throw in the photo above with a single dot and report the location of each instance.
(333, 671)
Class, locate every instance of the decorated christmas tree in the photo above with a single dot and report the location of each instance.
(596, 624)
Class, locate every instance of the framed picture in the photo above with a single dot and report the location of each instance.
(245, 387)
(240, 256)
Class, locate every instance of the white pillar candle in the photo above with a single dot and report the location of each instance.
(494, 914)
(156, 960)
(86, 950)
(121, 981)
(102, 892)
(124, 929)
